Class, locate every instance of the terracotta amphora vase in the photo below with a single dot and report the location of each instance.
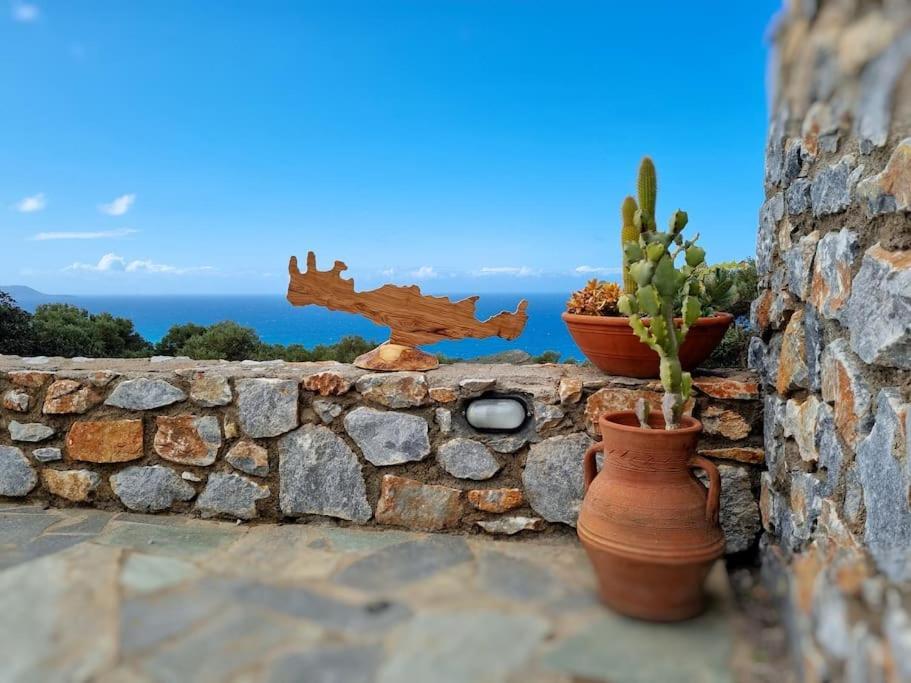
(649, 526)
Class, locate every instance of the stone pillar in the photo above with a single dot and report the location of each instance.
(834, 313)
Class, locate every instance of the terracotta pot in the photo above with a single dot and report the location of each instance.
(648, 524)
(610, 343)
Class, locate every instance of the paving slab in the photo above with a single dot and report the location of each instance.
(95, 596)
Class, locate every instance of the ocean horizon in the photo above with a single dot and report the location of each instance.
(278, 322)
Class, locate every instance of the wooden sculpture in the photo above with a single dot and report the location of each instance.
(413, 318)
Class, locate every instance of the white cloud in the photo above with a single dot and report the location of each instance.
(25, 12)
(424, 273)
(119, 206)
(88, 235)
(514, 271)
(112, 262)
(593, 270)
(388, 272)
(36, 202)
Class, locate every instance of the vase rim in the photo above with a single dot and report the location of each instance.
(689, 424)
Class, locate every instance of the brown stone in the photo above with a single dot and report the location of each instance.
(727, 423)
(739, 389)
(409, 503)
(17, 401)
(188, 439)
(570, 390)
(101, 378)
(792, 364)
(760, 311)
(890, 190)
(249, 457)
(67, 396)
(747, 454)
(30, 379)
(327, 383)
(75, 485)
(443, 394)
(496, 500)
(613, 399)
(394, 390)
(210, 390)
(800, 423)
(844, 386)
(105, 441)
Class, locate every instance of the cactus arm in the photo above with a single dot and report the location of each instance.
(648, 193)
(628, 233)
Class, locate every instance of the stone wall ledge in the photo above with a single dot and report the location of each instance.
(281, 441)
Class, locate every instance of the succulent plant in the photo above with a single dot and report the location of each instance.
(596, 298)
(660, 282)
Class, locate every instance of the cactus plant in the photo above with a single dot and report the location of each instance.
(647, 187)
(660, 282)
(628, 233)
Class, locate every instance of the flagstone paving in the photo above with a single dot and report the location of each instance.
(87, 595)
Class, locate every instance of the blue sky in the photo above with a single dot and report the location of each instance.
(166, 147)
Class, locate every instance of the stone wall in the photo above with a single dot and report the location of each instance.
(834, 254)
(280, 440)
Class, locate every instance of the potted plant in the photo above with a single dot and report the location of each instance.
(603, 333)
(650, 528)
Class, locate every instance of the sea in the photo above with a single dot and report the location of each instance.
(278, 322)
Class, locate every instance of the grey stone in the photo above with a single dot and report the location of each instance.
(798, 261)
(885, 481)
(467, 459)
(497, 643)
(267, 407)
(833, 188)
(328, 664)
(17, 400)
(878, 83)
(150, 489)
(17, 477)
(831, 452)
(30, 431)
(230, 495)
(854, 495)
(553, 477)
(319, 474)
(883, 286)
(885, 192)
(405, 563)
(474, 386)
(47, 454)
(792, 161)
(897, 629)
(771, 212)
(388, 438)
(327, 411)
(547, 417)
(443, 418)
(509, 525)
(775, 142)
(507, 444)
(812, 339)
(797, 196)
(773, 420)
(144, 394)
(739, 515)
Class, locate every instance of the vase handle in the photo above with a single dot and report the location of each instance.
(713, 502)
(590, 464)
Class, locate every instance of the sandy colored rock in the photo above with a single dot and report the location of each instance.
(409, 503)
(496, 500)
(105, 441)
(30, 379)
(394, 389)
(209, 391)
(67, 396)
(508, 526)
(570, 390)
(249, 457)
(746, 454)
(792, 360)
(443, 394)
(327, 383)
(727, 423)
(188, 439)
(740, 389)
(74, 485)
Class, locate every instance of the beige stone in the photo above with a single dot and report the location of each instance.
(17, 401)
(746, 454)
(30, 379)
(727, 423)
(75, 485)
(327, 383)
(443, 394)
(741, 388)
(105, 441)
(67, 396)
(496, 500)
(409, 503)
(570, 390)
(188, 439)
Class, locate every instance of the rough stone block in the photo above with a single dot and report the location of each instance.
(30, 431)
(188, 439)
(17, 401)
(75, 485)
(798, 261)
(327, 383)
(150, 489)
(727, 423)
(467, 459)
(249, 457)
(326, 411)
(230, 495)
(17, 476)
(510, 525)
(267, 407)
(830, 287)
(879, 311)
(890, 190)
(394, 389)
(553, 477)
(496, 500)
(105, 441)
(388, 438)
(570, 390)
(613, 399)
(833, 188)
(144, 393)
(67, 396)
(210, 390)
(409, 503)
(843, 385)
(319, 474)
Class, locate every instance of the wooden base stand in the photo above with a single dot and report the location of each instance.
(391, 357)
